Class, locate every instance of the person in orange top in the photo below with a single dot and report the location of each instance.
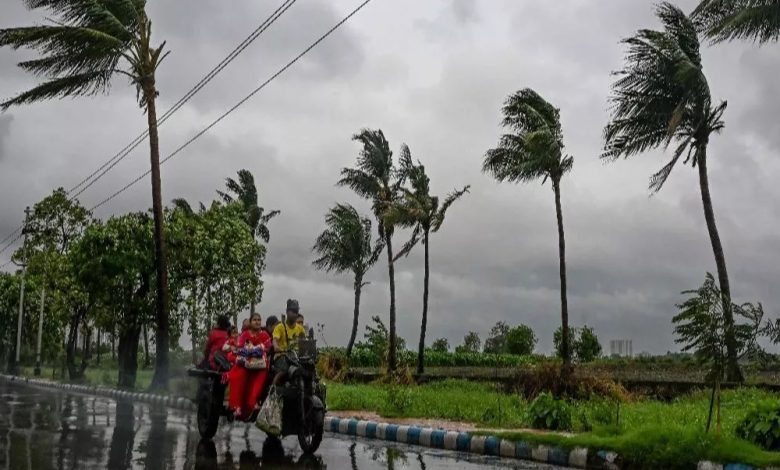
(247, 384)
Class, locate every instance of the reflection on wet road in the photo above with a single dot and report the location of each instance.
(43, 429)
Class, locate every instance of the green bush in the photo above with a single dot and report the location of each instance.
(520, 340)
(547, 412)
(761, 425)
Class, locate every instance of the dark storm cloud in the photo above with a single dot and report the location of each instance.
(432, 75)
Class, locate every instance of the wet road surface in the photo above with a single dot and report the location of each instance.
(44, 429)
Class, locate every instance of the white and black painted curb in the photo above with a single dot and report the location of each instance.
(704, 465)
(465, 442)
(170, 401)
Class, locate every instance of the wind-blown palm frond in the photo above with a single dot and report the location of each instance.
(345, 244)
(534, 148)
(182, 204)
(662, 95)
(726, 20)
(80, 53)
(245, 192)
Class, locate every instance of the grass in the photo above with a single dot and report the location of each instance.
(107, 376)
(448, 399)
(649, 434)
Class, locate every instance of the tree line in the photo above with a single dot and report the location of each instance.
(99, 275)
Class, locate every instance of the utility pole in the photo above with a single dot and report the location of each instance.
(14, 369)
(37, 370)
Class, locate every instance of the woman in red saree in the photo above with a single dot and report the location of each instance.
(246, 383)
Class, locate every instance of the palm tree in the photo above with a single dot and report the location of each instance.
(532, 150)
(345, 245)
(662, 96)
(245, 191)
(87, 44)
(726, 20)
(419, 209)
(375, 178)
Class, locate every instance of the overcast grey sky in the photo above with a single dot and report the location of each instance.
(432, 75)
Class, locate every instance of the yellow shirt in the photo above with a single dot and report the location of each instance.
(293, 333)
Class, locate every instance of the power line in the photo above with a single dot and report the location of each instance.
(236, 106)
(113, 161)
(10, 244)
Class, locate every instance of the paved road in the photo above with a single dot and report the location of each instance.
(42, 429)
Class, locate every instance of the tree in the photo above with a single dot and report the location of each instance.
(726, 20)
(81, 51)
(245, 192)
(702, 328)
(375, 178)
(471, 343)
(440, 345)
(533, 149)
(114, 262)
(587, 348)
(419, 209)
(496, 340)
(56, 223)
(661, 96)
(345, 245)
(520, 340)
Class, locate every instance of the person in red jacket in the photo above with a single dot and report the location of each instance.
(246, 384)
(216, 340)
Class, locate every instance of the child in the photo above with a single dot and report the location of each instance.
(246, 383)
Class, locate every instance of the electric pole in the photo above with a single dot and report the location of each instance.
(14, 369)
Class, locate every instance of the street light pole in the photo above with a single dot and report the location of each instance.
(14, 369)
(37, 370)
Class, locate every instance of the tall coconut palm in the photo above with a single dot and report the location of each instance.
(84, 47)
(345, 245)
(532, 150)
(245, 191)
(375, 178)
(419, 209)
(726, 20)
(662, 97)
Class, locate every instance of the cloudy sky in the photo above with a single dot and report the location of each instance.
(432, 75)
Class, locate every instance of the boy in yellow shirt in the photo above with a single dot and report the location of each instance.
(285, 337)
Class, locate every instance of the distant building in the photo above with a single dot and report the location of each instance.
(621, 348)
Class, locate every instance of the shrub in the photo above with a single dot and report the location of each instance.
(547, 377)
(761, 425)
(363, 357)
(548, 412)
(332, 364)
(587, 347)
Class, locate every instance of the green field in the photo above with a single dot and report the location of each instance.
(648, 434)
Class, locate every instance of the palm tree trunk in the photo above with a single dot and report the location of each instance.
(733, 372)
(160, 379)
(356, 314)
(391, 359)
(426, 279)
(565, 337)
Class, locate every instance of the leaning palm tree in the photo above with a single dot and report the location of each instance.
(726, 20)
(375, 178)
(84, 47)
(345, 245)
(533, 149)
(660, 97)
(422, 211)
(245, 191)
